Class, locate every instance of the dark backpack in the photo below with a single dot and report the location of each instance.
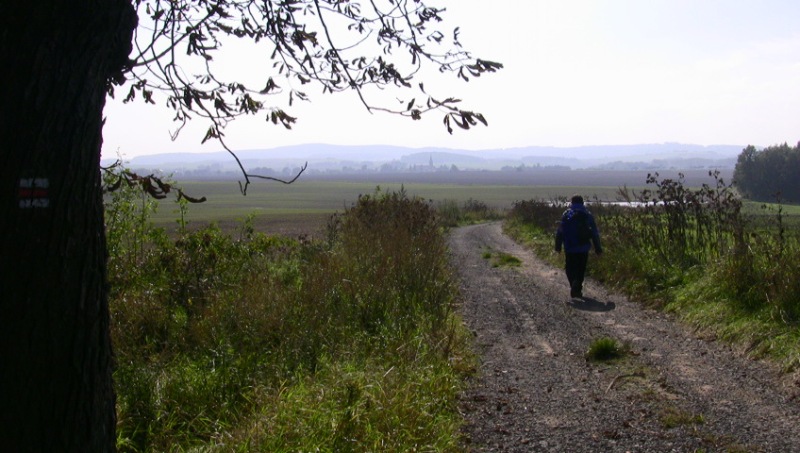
(583, 231)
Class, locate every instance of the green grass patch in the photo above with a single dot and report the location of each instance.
(757, 331)
(502, 259)
(758, 208)
(604, 349)
(540, 241)
(358, 407)
(672, 417)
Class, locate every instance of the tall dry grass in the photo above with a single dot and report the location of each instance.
(241, 341)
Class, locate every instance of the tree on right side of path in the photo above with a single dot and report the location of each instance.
(770, 174)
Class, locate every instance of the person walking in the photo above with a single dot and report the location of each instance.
(577, 233)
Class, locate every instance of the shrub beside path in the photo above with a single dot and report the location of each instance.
(535, 391)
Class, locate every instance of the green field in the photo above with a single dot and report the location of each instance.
(755, 207)
(305, 205)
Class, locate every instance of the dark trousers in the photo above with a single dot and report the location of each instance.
(576, 269)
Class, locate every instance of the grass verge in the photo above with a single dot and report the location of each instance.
(246, 342)
(731, 276)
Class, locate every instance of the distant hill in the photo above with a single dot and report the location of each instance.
(324, 158)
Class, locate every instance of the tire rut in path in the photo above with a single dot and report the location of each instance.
(535, 391)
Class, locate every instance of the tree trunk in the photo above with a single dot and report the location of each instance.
(57, 56)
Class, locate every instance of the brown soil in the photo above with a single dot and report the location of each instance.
(536, 391)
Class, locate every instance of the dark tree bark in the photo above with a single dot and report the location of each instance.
(56, 57)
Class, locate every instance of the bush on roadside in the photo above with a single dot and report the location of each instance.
(270, 343)
(451, 214)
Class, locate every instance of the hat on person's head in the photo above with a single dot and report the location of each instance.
(577, 199)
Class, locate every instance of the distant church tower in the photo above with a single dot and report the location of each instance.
(430, 162)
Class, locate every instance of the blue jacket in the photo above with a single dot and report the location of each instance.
(567, 233)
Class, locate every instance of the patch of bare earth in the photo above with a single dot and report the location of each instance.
(535, 390)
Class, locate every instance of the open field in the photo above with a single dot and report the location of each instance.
(305, 206)
(756, 207)
(539, 177)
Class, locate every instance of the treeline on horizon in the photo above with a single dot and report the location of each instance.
(316, 170)
(770, 174)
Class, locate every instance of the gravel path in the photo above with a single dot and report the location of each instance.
(535, 391)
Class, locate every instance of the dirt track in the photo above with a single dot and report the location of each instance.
(535, 391)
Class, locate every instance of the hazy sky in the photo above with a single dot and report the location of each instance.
(577, 72)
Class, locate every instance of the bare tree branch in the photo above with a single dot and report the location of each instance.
(176, 57)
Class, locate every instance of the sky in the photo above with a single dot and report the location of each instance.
(577, 72)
